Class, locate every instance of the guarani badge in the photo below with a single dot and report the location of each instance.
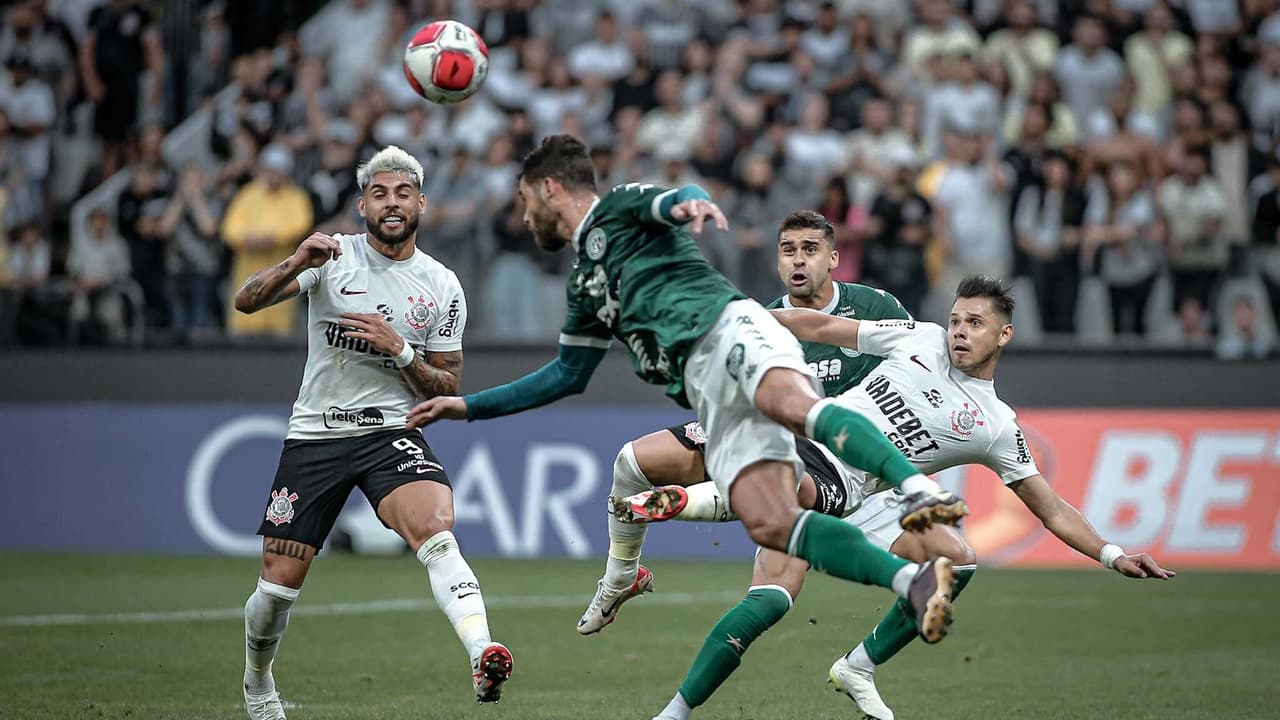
(596, 242)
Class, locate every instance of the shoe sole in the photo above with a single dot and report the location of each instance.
(661, 505)
(495, 665)
(640, 587)
(938, 613)
(922, 519)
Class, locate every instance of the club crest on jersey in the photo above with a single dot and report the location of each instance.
(964, 421)
(596, 242)
(419, 312)
(280, 511)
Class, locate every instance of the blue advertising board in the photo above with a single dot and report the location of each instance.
(195, 479)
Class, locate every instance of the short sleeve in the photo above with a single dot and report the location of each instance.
(883, 338)
(1010, 457)
(308, 279)
(445, 334)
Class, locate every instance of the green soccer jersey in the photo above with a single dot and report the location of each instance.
(637, 278)
(841, 368)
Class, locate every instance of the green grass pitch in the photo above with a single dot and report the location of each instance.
(366, 643)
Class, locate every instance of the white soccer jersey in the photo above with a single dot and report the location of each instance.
(938, 416)
(348, 388)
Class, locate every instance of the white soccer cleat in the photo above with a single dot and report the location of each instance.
(266, 706)
(490, 671)
(860, 685)
(604, 606)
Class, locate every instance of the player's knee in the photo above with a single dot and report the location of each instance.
(785, 396)
(427, 525)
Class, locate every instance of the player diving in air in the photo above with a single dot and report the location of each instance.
(639, 277)
(934, 395)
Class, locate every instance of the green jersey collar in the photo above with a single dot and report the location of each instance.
(830, 308)
(586, 220)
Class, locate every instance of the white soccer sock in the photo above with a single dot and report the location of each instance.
(902, 579)
(859, 658)
(705, 505)
(456, 590)
(266, 614)
(677, 709)
(625, 539)
(920, 483)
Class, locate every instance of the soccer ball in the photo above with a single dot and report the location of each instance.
(446, 62)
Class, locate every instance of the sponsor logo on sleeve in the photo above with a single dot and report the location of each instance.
(450, 320)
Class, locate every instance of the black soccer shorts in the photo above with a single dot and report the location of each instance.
(832, 494)
(315, 478)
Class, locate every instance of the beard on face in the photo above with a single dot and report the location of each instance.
(408, 227)
(543, 226)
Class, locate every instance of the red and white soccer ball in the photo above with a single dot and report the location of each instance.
(446, 62)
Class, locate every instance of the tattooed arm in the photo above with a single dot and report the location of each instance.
(280, 282)
(433, 374)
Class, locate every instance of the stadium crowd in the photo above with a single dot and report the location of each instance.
(1116, 158)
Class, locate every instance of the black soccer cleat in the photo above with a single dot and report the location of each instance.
(930, 596)
(922, 509)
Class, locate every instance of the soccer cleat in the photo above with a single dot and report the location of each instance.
(657, 505)
(921, 509)
(604, 606)
(930, 596)
(859, 685)
(266, 706)
(490, 672)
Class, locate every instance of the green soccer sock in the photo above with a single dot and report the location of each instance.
(729, 639)
(898, 626)
(855, 440)
(840, 549)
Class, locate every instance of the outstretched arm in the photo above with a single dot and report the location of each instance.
(280, 281)
(816, 326)
(567, 375)
(1069, 526)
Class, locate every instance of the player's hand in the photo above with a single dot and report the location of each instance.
(695, 212)
(374, 328)
(316, 251)
(444, 407)
(1141, 565)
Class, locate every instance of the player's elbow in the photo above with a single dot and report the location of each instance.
(245, 304)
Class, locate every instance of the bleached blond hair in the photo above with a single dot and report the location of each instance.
(389, 159)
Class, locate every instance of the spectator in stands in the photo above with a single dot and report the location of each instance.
(826, 41)
(30, 32)
(332, 187)
(1244, 338)
(850, 222)
(667, 26)
(97, 264)
(1151, 54)
(1260, 92)
(1064, 129)
(456, 195)
(1023, 47)
(1047, 223)
(858, 75)
(32, 113)
(350, 64)
(29, 264)
(607, 55)
(972, 195)
(120, 44)
(1266, 236)
(196, 258)
(1193, 208)
(812, 151)
(513, 293)
(900, 229)
(1087, 70)
(669, 127)
(757, 206)
(1120, 133)
(265, 221)
(939, 28)
(1122, 232)
(1234, 163)
(138, 212)
(871, 147)
(961, 94)
(19, 202)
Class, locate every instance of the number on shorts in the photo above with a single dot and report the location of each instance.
(406, 445)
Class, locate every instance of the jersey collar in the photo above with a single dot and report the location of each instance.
(577, 232)
(831, 306)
